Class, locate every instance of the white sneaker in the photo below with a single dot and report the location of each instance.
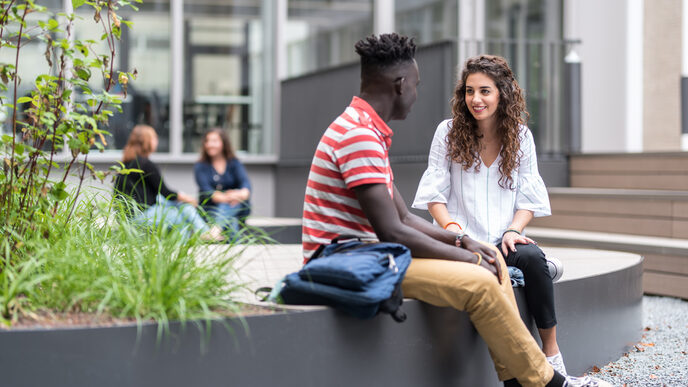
(556, 268)
(585, 381)
(557, 362)
(214, 234)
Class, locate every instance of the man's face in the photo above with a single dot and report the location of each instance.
(409, 84)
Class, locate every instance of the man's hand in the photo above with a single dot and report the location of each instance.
(510, 239)
(490, 262)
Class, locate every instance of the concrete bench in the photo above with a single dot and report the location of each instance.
(598, 305)
(665, 259)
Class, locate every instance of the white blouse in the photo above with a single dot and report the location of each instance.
(474, 199)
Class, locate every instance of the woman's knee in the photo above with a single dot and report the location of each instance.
(530, 259)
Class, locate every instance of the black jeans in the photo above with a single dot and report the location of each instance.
(539, 289)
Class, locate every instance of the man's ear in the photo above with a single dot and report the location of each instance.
(399, 85)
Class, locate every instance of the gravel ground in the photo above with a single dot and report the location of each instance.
(661, 357)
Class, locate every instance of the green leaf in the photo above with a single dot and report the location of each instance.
(58, 193)
(78, 3)
(53, 24)
(83, 73)
(124, 171)
(73, 143)
(24, 99)
(19, 148)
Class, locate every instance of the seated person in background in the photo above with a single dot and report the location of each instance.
(486, 155)
(351, 190)
(223, 186)
(157, 203)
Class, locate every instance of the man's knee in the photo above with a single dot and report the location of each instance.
(486, 282)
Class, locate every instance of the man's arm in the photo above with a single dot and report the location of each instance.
(383, 215)
(429, 229)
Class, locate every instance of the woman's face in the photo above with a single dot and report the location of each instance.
(213, 145)
(154, 143)
(482, 96)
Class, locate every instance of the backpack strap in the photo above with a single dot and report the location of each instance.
(344, 237)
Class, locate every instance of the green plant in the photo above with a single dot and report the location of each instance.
(15, 282)
(53, 119)
(64, 253)
(106, 263)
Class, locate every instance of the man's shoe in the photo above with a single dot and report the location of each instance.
(585, 381)
(556, 268)
(557, 362)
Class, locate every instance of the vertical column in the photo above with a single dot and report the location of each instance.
(572, 102)
(383, 16)
(274, 18)
(684, 75)
(177, 81)
(634, 75)
(471, 29)
(573, 79)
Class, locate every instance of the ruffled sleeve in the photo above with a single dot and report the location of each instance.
(531, 193)
(434, 186)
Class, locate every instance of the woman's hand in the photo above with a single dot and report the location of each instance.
(510, 239)
(454, 228)
(182, 197)
(490, 262)
(236, 196)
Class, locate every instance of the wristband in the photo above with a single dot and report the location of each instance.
(459, 236)
(480, 258)
(450, 223)
(511, 230)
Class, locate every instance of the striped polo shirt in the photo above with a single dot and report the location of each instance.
(352, 152)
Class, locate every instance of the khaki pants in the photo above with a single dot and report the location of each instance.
(490, 306)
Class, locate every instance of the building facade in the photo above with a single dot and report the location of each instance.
(252, 67)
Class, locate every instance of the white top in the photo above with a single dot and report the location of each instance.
(474, 199)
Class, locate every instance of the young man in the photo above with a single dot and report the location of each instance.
(351, 190)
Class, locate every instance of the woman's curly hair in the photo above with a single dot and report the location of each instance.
(463, 140)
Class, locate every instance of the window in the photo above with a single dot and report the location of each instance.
(322, 33)
(427, 21)
(223, 53)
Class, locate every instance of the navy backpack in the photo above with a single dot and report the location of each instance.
(356, 277)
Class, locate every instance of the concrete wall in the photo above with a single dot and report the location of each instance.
(601, 25)
(324, 95)
(662, 74)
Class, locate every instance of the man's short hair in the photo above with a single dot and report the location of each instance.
(379, 53)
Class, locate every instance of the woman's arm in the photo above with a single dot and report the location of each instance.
(434, 185)
(204, 180)
(441, 215)
(531, 196)
(153, 178)
(512, 235)
(243, 193)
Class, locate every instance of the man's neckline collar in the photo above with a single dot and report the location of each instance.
(380, 124)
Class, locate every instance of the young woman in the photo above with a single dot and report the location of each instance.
(223, 186)
(482, 179)
(157, 203)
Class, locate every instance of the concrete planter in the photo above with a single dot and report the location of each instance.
(599, 317)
